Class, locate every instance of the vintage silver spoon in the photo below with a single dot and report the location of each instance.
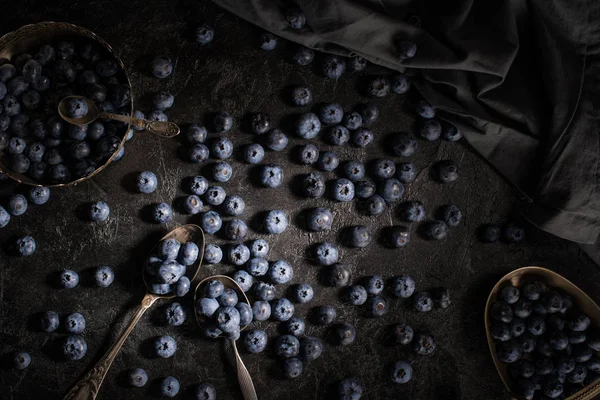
(244, 378)
(87, 388)
(162, 128)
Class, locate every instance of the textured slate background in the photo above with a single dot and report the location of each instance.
(234, 75)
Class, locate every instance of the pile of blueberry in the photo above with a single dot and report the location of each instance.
(165, 271)
(74, 346)
(548, 344)
(33, 137)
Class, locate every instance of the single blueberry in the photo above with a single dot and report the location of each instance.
(404, 144)
(260, 123)
(197, 185)
(352, 120)
(328, 161)
(271, 175)
(400, 83)
(343, 190)
(536, 324)
(222, 148)
(326, 253)
(17, 205)
(441, 299)
(337, 135)
(319, 219)
(403, 334)
(312, 185)
(163, 100)
(424, 344)
(31, 100)
(292, 368)
(39, 195)
(398, 236)
(182, 287)
(17, 86)
(324, 315)
(280, 272)
(243, 279)
(7, 72)
(344, 334)
(236, 229)
(489, 233)
(169, 387)
(74, 347)
(378, 87)
(406, 172)
(228, 319)
(137, 377)
(206, 306)
(402, 372)
(435, 230)
(295, 18)
(310, 348)
(256, 341)
(75, 323)
(69, 279)
(268, 41)
(450, 132)
(362, 137)
(228, 298)
(20, 164)
(446, 171)
(423, 302)
(16, 145)
(282, 309)
(287, 346)
(512, 233)
(303, 293)
(349, 389)
(374, 285)
(339, 275)
(104, 276)
(295, 326)
(195, 133)
(383, 169)
(259, 248)
(406, 49)
(356, 295)
(204, 34)
(162, 213)
(76, 108)
(222, 122)
(331, 113)
(357, 64)
(213, 254)
(374, 205)
(451, 215)
(302, 55)
(188, 254)
(377, 306)
(261, 310)
(20, 360)
(234, 205)
(215, 195)
(275, 222)
(333, 66)
(276, 140)
(169, 249)
(222, 171)
(430, 129)
(354, 170)
(301, 96)
(238, 254)
(254, 153)
(49, 321)
(161, 67)
(308, 126)
(365, 189)
(359, 236)
(146, 182)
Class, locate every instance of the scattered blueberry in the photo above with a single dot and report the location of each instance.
(261, 310)
(324, 315)
(211, 222)
(365, 189)
(198, 153)
(403, 334)
(362, 137)
(215, 195)
(162, 213)
(163, 101)
(234, 205)
(295, 18)
(344, 334)
(319, 219)
(254, 153)
(25, 245)
(400, 83)
(104, 276)
(489, 233)
(333, 67)
(397, 236)
(162, 67)
(424, 344)
(435, 230)
(343, 190)
(359, 236)
(75, 323)
(74, 347)
(423, 302)
(99, 211)
(378, 87)
(258, 266)
(328, 161)
(339, 275)
(243, 279)
(377, 306)
(302, 55)
(287, 346)
(391, 190)
(310, 348)
(401, 372)
(337, 135)
(204, 34)
(512, 233)
(20, 360)
(326, 253)
(450, 132)
(268, 41)
(280, 272)
(301, 96)
(69, 279)
(137, 377)
(303, 293)
(256, 341)
(403, 286)
(406, 172)
(222, 148)
(169, 387)
(352, 120)
(238, 254)
(349, 389)
(356, 295)
(222, 122)
(195, 133)
(271, 175)
(276, 140)
(17, 205)
(275, 222)
(259, 248)
(446, 171)
(282, 309)
(49, 321)
(406, 49)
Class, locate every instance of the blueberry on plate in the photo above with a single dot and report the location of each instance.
(99, 211)
(301, 96)
(328, 161)
(222, 122)
(401, 372)
(261, 310)
(275, 222)
(238, 253)
(161, 67)
(137, 377)
(287, 346)
(196, 134)
(446, 171)
(104, 276)
(319, 219)
(308, 126)
(74, 347)
(198, 153)
(17, 205)
(518, 327)
(234, 205)
(20, 360)
(256, 341)
(258, 266)
(337, 135)
(533, 290)
(25, 246)
(276, 140)
(75, 323)
(302, 55)
(406, 49)
(268, 41)
(501, 311)
(377, 306)
(333, 67)
(204, 34)
(500, 331)
(362, 137)
(349, 389)
(174, 314)
(400, 83)
(536, 325)
(406, 172)
(162, 213)
(509, 351)
(352, 120)
(510, 295)
(378, 87)
(69, 279)
(271, 175)
(424, 344)
(339, 275)
(295, 326)
(215, 195)
(146, 182)
(310, 348)
(211, 222)
(579, 322)
(280, 272)
(383, 169)
(435, 230)
(49, 321)
(365, 189)
(403, 286)
(303, 293)
(512, 233)
(254, 153)
(358, 236)
(169, 387)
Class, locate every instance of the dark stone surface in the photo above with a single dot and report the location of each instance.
(233, 74)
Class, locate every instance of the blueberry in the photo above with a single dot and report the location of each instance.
(161, 288)
(593, 365)
(7, 72)
(435, 230)
(326, 253)
(95, 131)
(295, 18)
(331, 113)
(383, 169)
(268, 41)
(197, 185)
(339, 275)
(301, 96)
(578, 375)
(328, 161)
(452, 216)
(31, 100)
(157, 115)
(424, 344)
(259, 248)
(536, 325)
(333, 66)
(441, 298)
(97, 93)
(344, 334)
(11, 105)
(204, 34)
(69, 279)
(446, 171)
(324, 315)
(312, 185)
(377, 306)
(188, 254)
(195, 133)
(104, 276)
(213, 254)
(517, 327)
(162, 213)
(400, 83)
(522, 369)
(16, 145)
(349, 389)
(260, 123)
(533, 290)
(236, 229)
(528, 343)
(509, 351)
(362, 137)
(308, 126)
(228, 298)
(552, 301)
(210, 330)
(337, 135)
(500, 331)
(581, 353)
(280, 272)
(512, 233)
(406, 49)
(292, 368)
(169, 249)
(287, 346)
(374, 285)
(20, 164)
(450, 132)
(222, 122)
(276, 140)
(137, 377)
(378, 87)
(261, 310)
(256, 341)
(20, 360)
(501, 311)
(214, 196)
(49, 321)
(207, 306)
(310, 348)
(275, 222)
(295, 326)
(64, 72)
(594, 343)
(163, 100)
(302, 55)
(170, 271)
(254, 153)
(39, 195)
(238, 254)
(397, 236)
(222, 148)
(365, 189)
(182, 287)
(558, 340)
(76, 108)
(540, 308)
(553, 388)
(343, 190)
(146, 182)
(406, 172)
(245, 313)
(565, 365)
(42, 84)
(17, 205)
(74, 347)
(228, 319)
(75, 323)
(319, 219)
(243, 279)
(354, 170)
(258, 266)
(423, 302)
(391, 190)
(425, 109)
(579, 322)
(303, 293)
(401, 372)
(222, 171)
(271, 175)
(169, 387)
(403, 286)
(555, 322)
(543, 366)
(17, 86)
(161, 67)
(282, 309)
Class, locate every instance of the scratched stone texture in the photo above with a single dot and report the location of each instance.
(233, 74)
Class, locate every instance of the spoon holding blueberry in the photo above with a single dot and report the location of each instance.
(78, 110)
(173, 263)
(222, 310)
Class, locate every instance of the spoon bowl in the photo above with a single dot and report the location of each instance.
(581, 301)
(88, 118)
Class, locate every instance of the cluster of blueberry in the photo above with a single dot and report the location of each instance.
(545, 341)
(509, 233)
(165, 271)
(48, 149)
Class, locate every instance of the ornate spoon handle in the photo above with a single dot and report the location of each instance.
(87, 388)
(244, 377)
(161, 128)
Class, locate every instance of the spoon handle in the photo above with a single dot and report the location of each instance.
(87, 388)
(244, 377)
(161, 128)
